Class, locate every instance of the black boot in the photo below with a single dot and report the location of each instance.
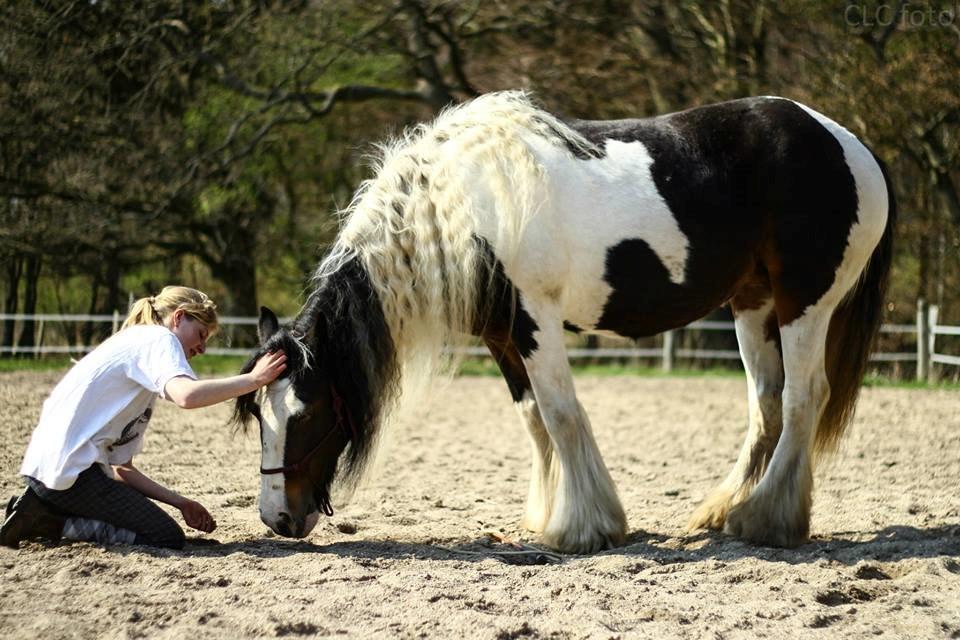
(28, 519)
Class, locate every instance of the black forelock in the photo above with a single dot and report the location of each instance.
(282, 340)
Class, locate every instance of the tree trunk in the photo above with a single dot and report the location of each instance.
(86, 334)
(236, 269)
(112, 302)
(240, 276)
(949, 198)
(14, 269)
(28, 332)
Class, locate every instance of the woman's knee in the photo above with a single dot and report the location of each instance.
(171, 537)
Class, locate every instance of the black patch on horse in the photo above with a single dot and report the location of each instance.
(504, 324)
(499, 311)
(740, 177)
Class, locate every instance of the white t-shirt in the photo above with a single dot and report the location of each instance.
(99, 411)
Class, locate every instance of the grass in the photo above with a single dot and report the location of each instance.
(47, 363)
(486, 367)
(871, 380)
(204, 366)
(210, 365)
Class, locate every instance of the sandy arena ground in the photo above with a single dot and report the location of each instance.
(410, 557)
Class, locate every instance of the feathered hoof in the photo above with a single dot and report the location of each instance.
(534, 522)
(586, 540)
(712, 512)
(768, 527)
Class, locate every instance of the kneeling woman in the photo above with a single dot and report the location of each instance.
(81, 482)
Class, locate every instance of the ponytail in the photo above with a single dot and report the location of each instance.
(142, 312)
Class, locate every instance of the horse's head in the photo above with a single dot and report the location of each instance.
(304, 427)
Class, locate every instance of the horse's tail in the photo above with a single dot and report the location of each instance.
(853, 327)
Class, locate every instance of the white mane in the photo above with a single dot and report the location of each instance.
(415, 224)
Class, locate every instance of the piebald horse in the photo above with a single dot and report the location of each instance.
(506, 222)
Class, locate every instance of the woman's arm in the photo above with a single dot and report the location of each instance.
(191, 394)
(194, 513)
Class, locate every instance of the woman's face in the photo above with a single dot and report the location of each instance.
(191, 332)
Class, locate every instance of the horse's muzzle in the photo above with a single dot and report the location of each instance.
(290, 527)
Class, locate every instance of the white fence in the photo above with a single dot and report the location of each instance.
(926, 330)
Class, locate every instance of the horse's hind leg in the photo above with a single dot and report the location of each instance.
(759, 340)
(543, 471)
(778, 510)
(586, 514)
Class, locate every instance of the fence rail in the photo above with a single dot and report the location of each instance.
(926, 329)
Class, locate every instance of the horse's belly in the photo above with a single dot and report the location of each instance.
(636, 296)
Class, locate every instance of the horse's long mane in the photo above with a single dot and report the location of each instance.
(344, 326)
(438, 190)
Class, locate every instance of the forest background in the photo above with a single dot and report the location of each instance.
(212, 143)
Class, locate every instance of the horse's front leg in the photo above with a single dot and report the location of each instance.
(543, 470)
(586, 513)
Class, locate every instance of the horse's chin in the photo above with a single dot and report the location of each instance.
(310, 522)
(302, 530)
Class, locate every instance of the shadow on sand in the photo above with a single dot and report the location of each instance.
(888, 544)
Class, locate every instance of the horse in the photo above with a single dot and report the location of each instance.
(503, 221)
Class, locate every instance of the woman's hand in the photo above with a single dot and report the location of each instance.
(197, 516)
(194, 513)
(269, 367)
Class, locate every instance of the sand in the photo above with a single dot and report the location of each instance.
(411, 555)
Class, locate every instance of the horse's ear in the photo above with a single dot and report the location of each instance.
(268, 324)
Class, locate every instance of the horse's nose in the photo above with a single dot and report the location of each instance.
(283, 525)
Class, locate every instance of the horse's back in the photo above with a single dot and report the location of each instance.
(670, 215)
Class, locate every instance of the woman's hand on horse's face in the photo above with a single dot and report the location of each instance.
(197, 516)
(269, 367)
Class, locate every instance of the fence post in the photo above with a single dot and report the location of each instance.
(38, 343)
(933, 314)
(923, 341)
(116, 321)
(669, 351)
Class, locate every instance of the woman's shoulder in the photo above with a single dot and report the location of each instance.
(114, 355)
(137, 339)
(143, 333)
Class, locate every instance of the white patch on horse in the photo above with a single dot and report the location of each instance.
(277, 403)
(592, 206)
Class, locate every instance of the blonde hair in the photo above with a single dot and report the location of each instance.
(156, 309)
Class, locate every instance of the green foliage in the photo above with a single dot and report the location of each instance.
(150, 143)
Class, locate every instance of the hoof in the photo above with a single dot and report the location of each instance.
(584, 542)
(587, 534)
(533, 524)
(769, 527)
